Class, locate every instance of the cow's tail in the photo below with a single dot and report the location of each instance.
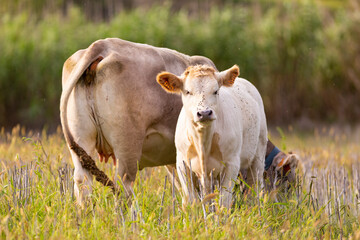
(89, 60)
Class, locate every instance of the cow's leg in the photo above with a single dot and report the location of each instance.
(228, 179)
(183, 172)
(84, 134)
(256, 171)
(82, 180)
(126, 170)
(127, 150)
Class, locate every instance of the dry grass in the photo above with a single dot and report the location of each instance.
(36, 196)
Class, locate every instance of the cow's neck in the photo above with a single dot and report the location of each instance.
(202, 137)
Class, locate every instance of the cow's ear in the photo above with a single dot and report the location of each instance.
(227, 78)
(170, 82)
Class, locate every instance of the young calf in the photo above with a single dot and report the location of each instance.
(221, 127)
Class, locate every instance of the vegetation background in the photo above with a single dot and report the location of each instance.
(303, 55)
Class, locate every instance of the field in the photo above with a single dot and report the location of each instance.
(302, 55)
(36, 197)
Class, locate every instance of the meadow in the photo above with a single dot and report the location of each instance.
(303, 57)
(36, 195)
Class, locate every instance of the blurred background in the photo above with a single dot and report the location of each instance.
(302, 55)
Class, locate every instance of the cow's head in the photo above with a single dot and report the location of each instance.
(199, 86)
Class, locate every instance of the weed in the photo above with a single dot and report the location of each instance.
(37, 200)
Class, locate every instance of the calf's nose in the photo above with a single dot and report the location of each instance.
(204, 115)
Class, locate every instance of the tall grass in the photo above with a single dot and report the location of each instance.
(302, 56)
(36, 198)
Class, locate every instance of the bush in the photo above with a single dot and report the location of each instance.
(302, 57)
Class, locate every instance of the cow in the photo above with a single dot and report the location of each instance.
(220, 130)
(111, 105)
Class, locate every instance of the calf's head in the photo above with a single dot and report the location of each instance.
(199, 87)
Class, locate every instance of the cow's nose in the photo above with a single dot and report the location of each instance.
(205, 115)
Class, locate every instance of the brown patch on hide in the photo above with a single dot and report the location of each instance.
(69, 64)
(199, 71)
(215, 148)
(191, 153)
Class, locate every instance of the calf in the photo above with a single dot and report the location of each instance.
(220, 130)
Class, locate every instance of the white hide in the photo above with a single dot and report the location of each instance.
(235, 138)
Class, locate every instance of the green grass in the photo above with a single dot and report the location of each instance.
(32, 205)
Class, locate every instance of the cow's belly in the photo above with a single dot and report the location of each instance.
(158, 150)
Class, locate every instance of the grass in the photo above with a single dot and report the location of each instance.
(36, 196)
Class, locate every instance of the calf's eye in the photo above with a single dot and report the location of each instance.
(187, 92)
(216, 92)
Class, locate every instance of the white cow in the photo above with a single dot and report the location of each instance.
(221, 127)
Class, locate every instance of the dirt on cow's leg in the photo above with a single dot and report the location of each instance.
(82, 181)
(280, 168)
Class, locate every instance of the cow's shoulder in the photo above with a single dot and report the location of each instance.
(249, 89)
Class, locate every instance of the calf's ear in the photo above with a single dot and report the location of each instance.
(170, 82)
(227, 77)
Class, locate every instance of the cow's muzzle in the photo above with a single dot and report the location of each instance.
(205, 115)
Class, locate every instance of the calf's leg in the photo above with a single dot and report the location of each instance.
(227, 181)
(183, 172)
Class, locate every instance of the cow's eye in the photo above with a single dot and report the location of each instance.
(187, 93)
(216, 92)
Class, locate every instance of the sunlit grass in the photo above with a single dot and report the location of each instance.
(323, 205)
